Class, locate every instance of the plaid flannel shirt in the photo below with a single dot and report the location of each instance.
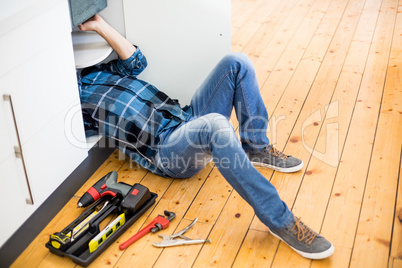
(130, 111)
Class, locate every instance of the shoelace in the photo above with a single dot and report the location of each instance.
(303, 232)
(277, 153)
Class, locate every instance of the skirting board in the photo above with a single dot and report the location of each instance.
(21, 239)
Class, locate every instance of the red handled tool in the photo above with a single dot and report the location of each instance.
(159, 223)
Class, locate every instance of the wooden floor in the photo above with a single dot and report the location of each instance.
(330, 74)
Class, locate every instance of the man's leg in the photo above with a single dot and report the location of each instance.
(183, 152)
(233, 83)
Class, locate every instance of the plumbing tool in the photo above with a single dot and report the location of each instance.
(170, 241)
(107, 185)
(159, 223)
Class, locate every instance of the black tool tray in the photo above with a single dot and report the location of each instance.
(78, 251)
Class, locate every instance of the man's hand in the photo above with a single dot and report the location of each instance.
(92, 24)
(120, 44)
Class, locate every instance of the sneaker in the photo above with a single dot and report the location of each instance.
(304, 241)
(275, 159)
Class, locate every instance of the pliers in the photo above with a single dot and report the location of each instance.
(169, 241)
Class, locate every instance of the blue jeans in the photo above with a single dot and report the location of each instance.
(185, 150)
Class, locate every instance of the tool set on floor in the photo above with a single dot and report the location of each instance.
(83, 241)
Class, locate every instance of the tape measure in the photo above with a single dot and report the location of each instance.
(59, 240)
(105, 233)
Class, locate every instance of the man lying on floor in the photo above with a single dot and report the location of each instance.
(176, 142)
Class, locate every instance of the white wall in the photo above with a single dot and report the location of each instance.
(182, 40)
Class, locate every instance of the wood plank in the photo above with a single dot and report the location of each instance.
(323, 120)
(212, 197)
(320, 91)
(289, 258)
(392, 99)
(235, 6)
(284, 69)
(177, 199)
(256, 19)
(51, 259)
(340, 259)
(311, 61)
(36, 253)
(396, 263)
(288, 184)
(227, 234)
(373, 236)
(241, 11)
(321, 170)
(268, 29)
(341, 219)
(325, 80)
(258, 250)
(272, 51)
(317, 184)
(184, 256)
(396, 245)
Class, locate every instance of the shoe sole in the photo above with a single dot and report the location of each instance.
(284, 170)
(313, 256)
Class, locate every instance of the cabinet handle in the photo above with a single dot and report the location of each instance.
(18, 149)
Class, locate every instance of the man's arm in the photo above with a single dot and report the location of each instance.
(119, 43)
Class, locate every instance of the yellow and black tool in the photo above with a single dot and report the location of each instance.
(107, 232)
(82, 226)
(62, 239)
(59, 240)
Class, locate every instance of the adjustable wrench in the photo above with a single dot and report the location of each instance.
(159, 223)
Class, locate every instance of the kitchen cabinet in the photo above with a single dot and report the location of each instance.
(38, 92)
(183, 41)
(42, 137)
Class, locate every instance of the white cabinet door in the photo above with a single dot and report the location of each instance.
(26, 36)
(14, 209)
(51, 156)
(44, 84)
(43, 90)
